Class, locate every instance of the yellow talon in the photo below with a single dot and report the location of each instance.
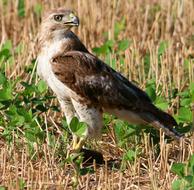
(75, 140)
(77, 143)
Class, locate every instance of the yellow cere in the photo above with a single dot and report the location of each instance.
(71, 15)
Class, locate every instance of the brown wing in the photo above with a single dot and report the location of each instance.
(100, 85)
(95, 81)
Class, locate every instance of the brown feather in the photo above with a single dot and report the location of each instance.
(100, 85)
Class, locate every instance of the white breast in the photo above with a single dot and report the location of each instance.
(44, 68)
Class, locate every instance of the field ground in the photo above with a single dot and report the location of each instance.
(150, 42)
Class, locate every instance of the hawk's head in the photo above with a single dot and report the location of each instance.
(59, 20)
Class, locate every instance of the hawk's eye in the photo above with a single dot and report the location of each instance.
(58, 18)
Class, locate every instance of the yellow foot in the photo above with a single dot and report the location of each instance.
(77, 144)
(75, 151)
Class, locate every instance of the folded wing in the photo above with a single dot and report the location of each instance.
(98, 84)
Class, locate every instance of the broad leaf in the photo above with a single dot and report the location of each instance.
(179, 169)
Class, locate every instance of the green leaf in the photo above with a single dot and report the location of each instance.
(185, 115)
(64, 123)
(42, 86)
(78, 128)
(151, 89)
(176, 185)
(38, 9)
(184, 94)
(27, 114)
(110, 61)
(19, 48)
(81, 129)
(6, 93)
(3, 79)
(29, 89)
(122, 60)
(5, 52)
(147, 63)
(119, 130)
(17, 120)
(22, 183)
(191, 165)
(185, 102)
(161, 103)
(40, 135)
(105, 48)
(14, 117)
(21, 8)
(123, 45)
(130, 155)
(73, 124)
(162, 47)
(2, 188)
(186, 63)
(7, 45)
(30, 136)
(113, 63)
(33, 133)
(147, 59)
(191, 88)
(119, 26)
(151, 93)
(12, 110)
(188, 178)
(179, 169)
(107, 119)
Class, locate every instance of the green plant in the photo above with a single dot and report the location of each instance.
(78, 128)
(185, 173)
(2, 188)
(21, 8)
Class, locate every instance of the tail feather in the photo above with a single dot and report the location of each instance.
(159, 119)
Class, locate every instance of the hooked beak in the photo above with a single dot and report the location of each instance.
(73, 21)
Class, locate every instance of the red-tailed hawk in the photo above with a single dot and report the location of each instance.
(85, 86)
